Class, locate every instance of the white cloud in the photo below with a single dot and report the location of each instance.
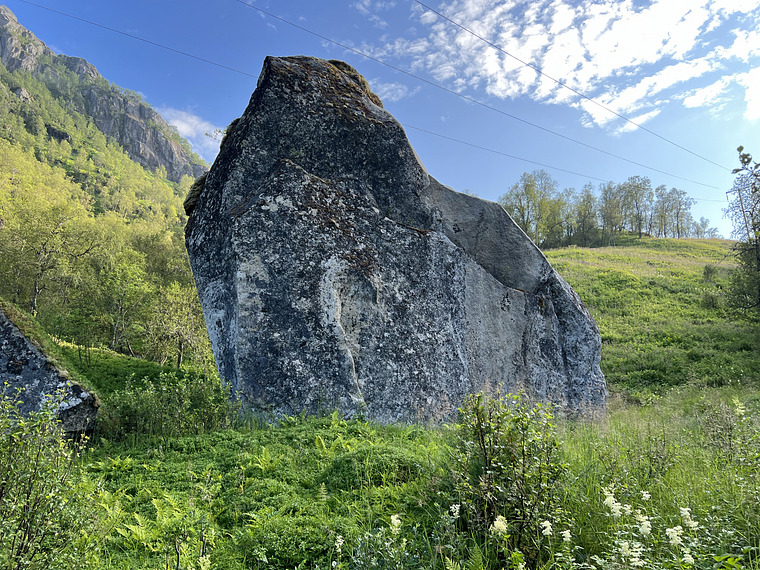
(711, 95)
(392, 92)
(745, 46)
(751, 83)
(369, 8)
(629, 55)
(195, 129)
(636, 122)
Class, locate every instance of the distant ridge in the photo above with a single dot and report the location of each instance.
(119, 114)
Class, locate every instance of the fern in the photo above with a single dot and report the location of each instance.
(475, 560)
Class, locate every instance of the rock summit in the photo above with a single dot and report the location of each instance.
(336, 274)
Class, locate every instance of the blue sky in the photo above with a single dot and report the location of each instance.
(687, 70)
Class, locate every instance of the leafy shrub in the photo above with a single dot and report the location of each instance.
(177, 532)
(710, 272)
(507, 469)
(383, 549)
(287, 541)
(42, 507)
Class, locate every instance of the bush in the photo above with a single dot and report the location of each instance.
(44, 516)
(371, 466)
(507, 471)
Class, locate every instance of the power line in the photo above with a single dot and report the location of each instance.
(494, 151)
(561, 84)
(381, 62)
(466, 97)
(138, 38)
(408, 126)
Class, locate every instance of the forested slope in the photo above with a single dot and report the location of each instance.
(91, 239)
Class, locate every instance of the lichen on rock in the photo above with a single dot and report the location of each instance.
(335, 273)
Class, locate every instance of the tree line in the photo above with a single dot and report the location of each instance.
(596, 215)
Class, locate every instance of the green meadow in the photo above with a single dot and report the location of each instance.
(176, 477)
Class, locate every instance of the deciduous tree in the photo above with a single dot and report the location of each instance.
(744, 211)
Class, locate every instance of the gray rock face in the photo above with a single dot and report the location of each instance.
(22, 365)
(19, 48)
(136, 126)
(132, 123)
(336, 273)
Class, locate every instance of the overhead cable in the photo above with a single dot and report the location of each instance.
(393, 67)
(566, 86)
(466, 97)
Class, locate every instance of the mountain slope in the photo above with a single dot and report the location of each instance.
(119, 114)
(91, 220)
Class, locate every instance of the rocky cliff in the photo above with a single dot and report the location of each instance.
(23, 366)
(336, 273)
(121, 116)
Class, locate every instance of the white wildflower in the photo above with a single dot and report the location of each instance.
(395, 524)
(499, 526)
(627, 509)
(687, 520)
(674, 535)
(645, 496)
(632, 551)
(547, 528)
(454, 510)
(566, 535)
(688, 558)
(645, 528)
(339, 543)
(616, 509)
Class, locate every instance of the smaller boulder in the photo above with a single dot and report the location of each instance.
(24, 367)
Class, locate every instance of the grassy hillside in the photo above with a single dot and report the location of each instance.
(669, 479)
(660, 307)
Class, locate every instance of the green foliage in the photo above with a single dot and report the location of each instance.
(265, 497)
(600, 217)
(666, 485)
(744, 210)
(106, 370)
(371, 466)
(169, 407)
(92, 243)
(744, 288)
(663, 316)
(383, 549)
(181, 534)
(258, 495)
(507, 470)
(45, 519)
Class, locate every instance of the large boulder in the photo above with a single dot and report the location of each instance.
(25, 368)
(336, 273)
